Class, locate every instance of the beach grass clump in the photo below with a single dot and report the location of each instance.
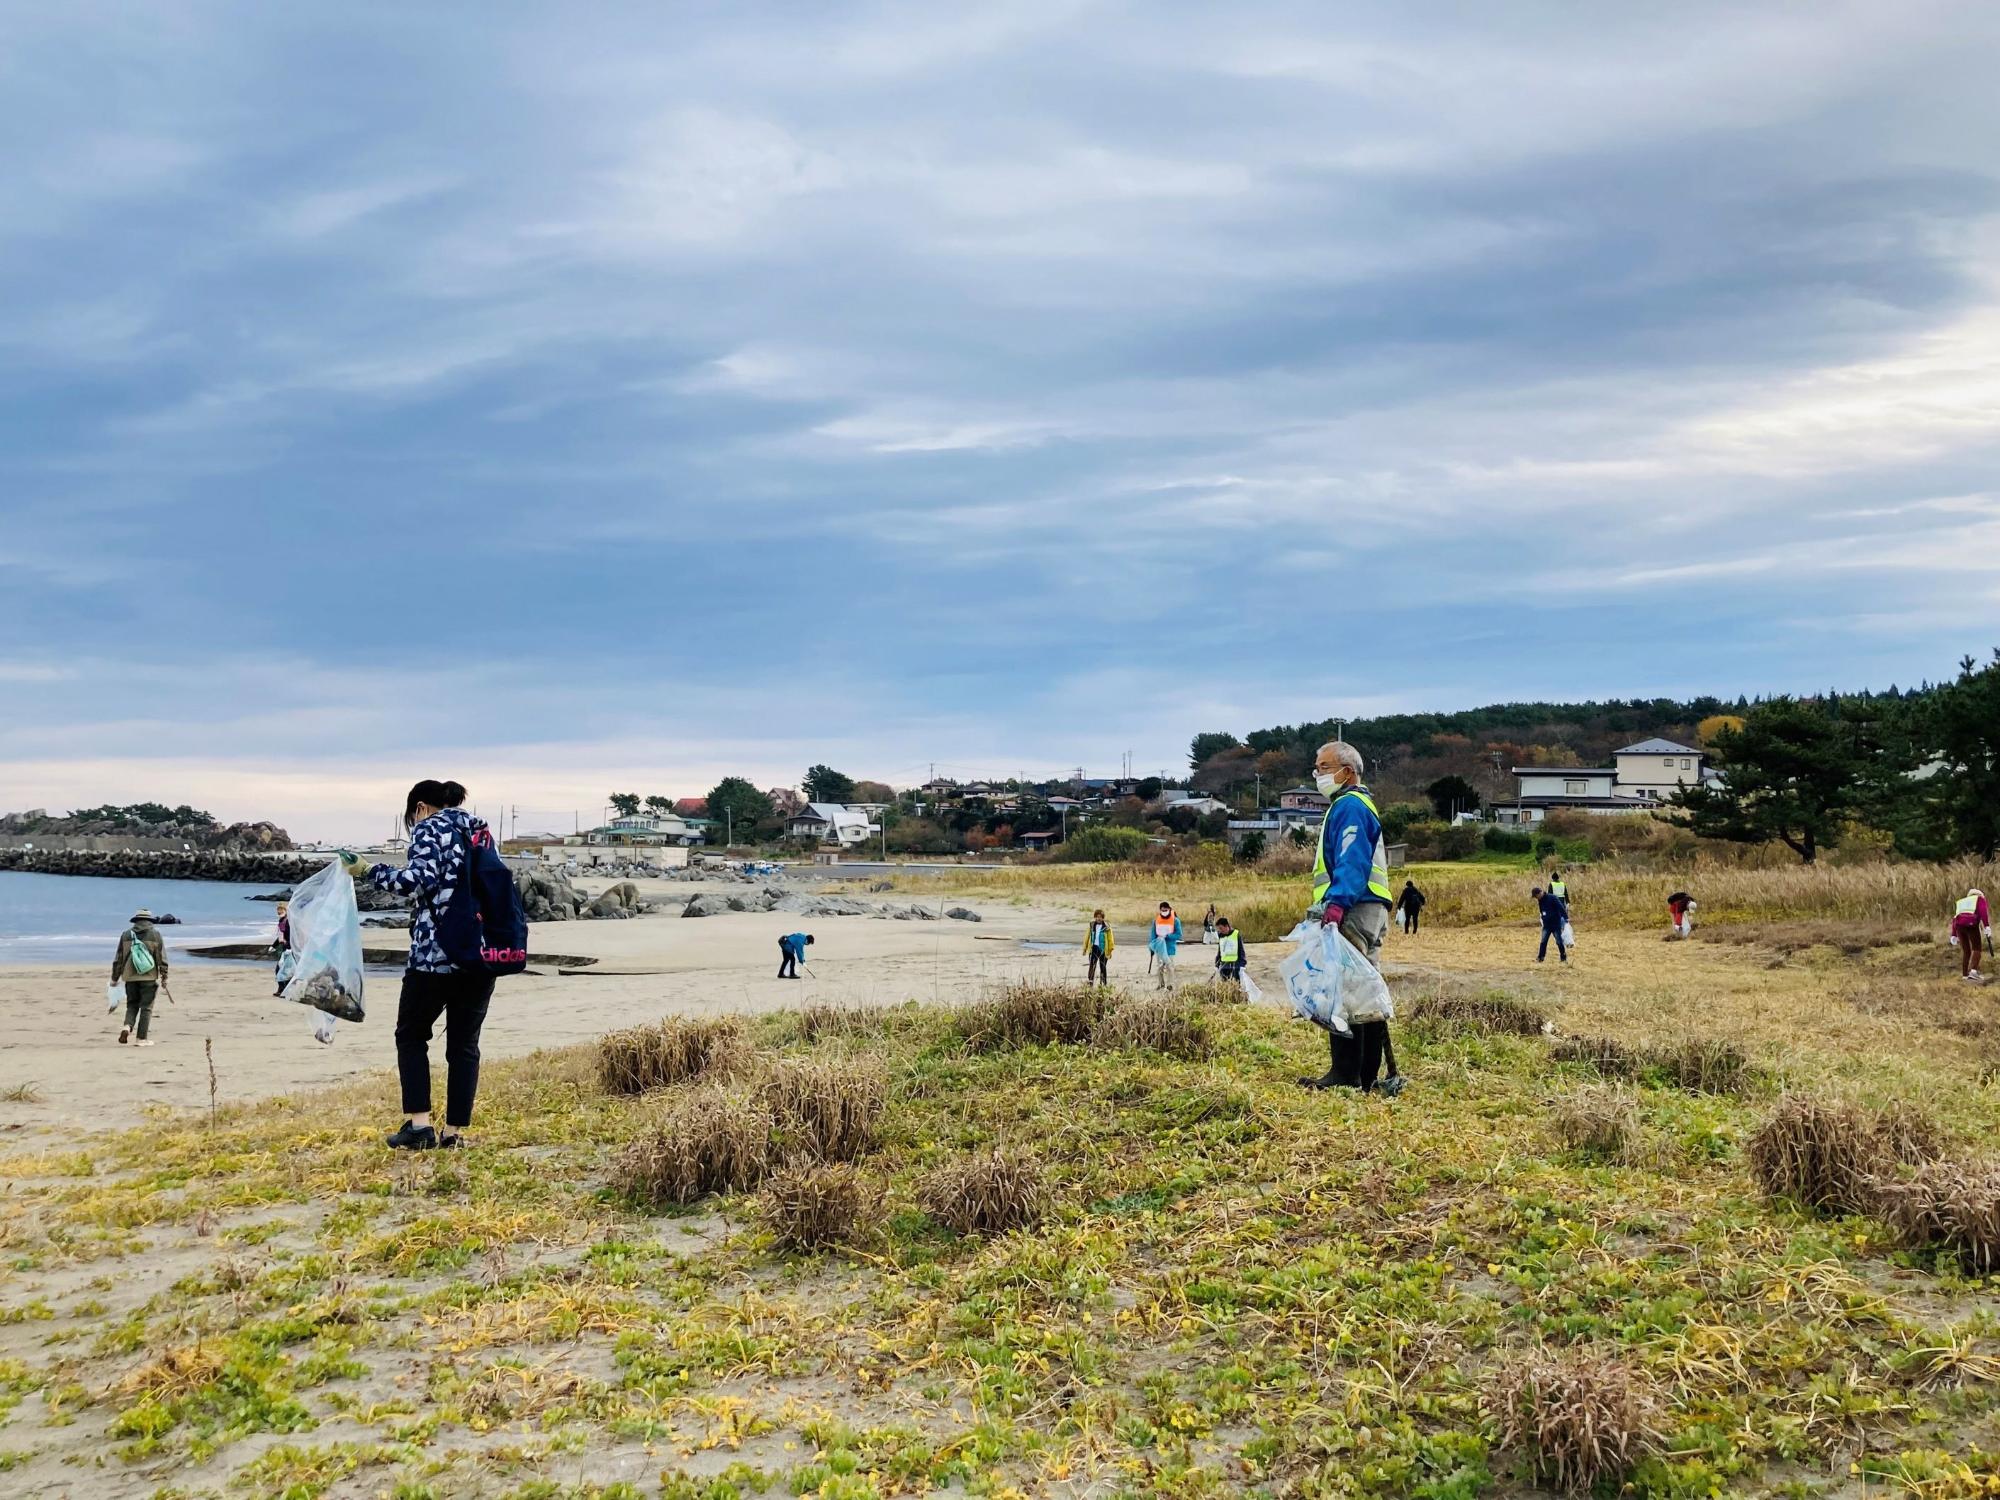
(1700, 1065)
(671, 1051)
(1600, 1122)
(1032, 1015)
(1833, 1156)
(1449, 1008)
(1157, 1023)
(715, 1139)
(1213, 992)
(1580, 1418)
(823, 1019)
(816, 1205)
(829, 1111)
(988, 1193)
(1947, 1205)
(1611, 1059)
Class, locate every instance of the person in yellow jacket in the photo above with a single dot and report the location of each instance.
(1098, 944)
(1231, 952)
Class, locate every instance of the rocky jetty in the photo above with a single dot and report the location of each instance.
(194, 864)
(778, 898)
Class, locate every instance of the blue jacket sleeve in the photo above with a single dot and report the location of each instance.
(423, 871)
(1351, 835)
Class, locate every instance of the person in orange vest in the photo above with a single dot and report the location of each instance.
(1165, 942)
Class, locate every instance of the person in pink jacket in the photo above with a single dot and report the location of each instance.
(1971, 931)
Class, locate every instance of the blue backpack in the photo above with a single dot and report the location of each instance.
(483, 928)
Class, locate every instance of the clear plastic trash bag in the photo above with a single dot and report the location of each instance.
(114, 995)
(1568, 936)
(1251, 993)
(323, 1025)
(326, 936)
(1330, 983)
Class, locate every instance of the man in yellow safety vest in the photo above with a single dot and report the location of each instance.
(1351, 892)
(1230, 952)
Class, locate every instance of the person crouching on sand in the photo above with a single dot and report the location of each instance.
(1097, 946)
(439, 857)
(141, 966)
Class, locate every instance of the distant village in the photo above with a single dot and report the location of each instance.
(945, 816)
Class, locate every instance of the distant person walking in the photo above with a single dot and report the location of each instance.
(1165, 943)
(1680, 913)
(1098, 944)
(435, 873)
(1971, 930)
(140, 964)
(1351, 892)
(1231, 953)
(791, 950)
(1208, 927)
(1410, 905)
(1554, 917)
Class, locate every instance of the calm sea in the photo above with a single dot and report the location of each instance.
(76, 919)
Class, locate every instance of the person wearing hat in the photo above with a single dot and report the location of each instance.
(140, 965)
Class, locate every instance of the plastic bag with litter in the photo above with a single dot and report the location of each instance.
(326, 936)
(114, 995)
(1329, 981)
(1251, 993)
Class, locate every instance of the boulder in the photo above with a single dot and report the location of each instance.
(707, 904)
(962, 914)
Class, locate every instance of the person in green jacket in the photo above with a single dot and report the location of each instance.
(1098, 944)
(141, 966)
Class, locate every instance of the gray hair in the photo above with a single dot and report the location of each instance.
(1345, 753)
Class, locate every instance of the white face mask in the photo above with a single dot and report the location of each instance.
(1327, 781)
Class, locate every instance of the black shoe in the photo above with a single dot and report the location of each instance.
(1328, 1082)
(414, 1138)
(449, 1142)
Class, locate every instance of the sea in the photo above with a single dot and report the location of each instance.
(76, 919)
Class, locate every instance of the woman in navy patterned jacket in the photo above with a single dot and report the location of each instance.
(433, 986)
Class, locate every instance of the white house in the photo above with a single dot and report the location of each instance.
(1656, 769)
(1542, 788)
(831, 823)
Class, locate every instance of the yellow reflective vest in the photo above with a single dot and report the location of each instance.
(1378, 865)
(1230, 948)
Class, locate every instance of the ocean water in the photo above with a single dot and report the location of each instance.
(76, 919)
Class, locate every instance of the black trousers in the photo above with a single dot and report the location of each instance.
(1229, 973)
(1416, 916)
(788, 963)
(1357, 1060)
(461, 998)
(1098, 969)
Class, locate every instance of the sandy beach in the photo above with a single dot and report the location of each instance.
(61, 1041)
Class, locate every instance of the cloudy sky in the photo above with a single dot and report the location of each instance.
(576, 400)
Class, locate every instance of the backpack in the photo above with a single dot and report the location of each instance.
(484, 928)
(139, 958)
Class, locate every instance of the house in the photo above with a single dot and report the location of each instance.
(640, 830)
(1193, 802)
(691, 807)
(1306, 798)
(1037, 840)
(831, 823)
(1657, 769)
(1543, 789)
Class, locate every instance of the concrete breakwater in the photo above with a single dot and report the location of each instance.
(193, 864)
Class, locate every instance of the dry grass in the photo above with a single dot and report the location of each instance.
(1581, 1419)
(716, 1139)
(1909, 1002)
(1612, 1059)
(825, 1019)
(828, 1111)
(1706, 1065)
(1032, 1015)
(1454, 1008)
(811, 1207)
(986, 1194)
(1832, 1156)
(1600, 1122)
(669, 1052)
(21, 1093)
(1162, 1023)
(1948, 1205)
(1213, 992)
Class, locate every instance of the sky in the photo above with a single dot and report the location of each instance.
(570, 400)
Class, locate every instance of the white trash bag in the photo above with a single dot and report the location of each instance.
(1251, 994)
(114, 995)
(1330, 983)
(326, 936)
(1568, 935)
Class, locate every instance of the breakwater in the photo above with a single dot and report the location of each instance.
(191, 864)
